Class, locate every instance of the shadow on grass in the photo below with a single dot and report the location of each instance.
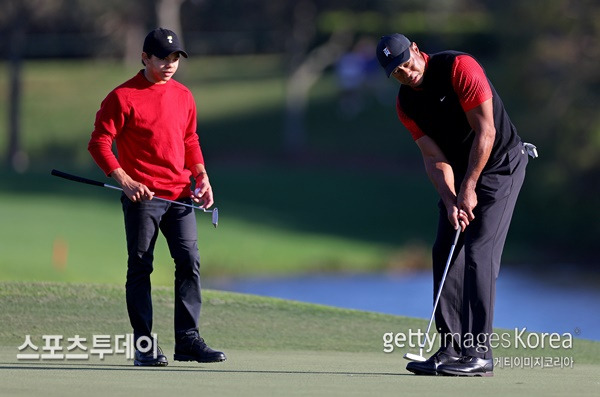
(123, 367)
(363, 205)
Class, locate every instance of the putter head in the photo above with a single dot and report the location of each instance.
(215, 217)
(414, 357)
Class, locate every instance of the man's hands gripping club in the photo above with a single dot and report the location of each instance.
(459, 217)
(462, 212)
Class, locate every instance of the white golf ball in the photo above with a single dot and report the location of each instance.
(197, 191)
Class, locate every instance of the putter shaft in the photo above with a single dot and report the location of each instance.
(215, 211)
(408, 356)
(164, 199)
(75, 178)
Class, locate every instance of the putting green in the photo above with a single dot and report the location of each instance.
(289, 373)
(274, 347)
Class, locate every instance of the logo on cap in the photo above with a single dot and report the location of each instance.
(170, 38)
(387, 52)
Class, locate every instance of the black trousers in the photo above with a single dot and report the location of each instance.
(143, 220)
(465, 312)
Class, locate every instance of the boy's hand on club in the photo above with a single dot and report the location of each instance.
(134, 190)
(203, 193)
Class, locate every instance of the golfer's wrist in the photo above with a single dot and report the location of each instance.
(201, 174)
(120, 176)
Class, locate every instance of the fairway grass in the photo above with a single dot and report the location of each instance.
(78, 239)
(274, 347)
(65, 231)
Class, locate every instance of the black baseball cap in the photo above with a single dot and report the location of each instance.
(162, 43)
(392, 51)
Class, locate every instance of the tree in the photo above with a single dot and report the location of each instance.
(300, 82)
(16, 157)
(551, 52)
(18, 15)
(122, 23)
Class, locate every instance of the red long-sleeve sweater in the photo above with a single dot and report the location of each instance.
(154, 127)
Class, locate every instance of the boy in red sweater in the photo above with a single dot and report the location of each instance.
(152, 119)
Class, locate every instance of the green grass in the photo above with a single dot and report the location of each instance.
(64, 231)
(274, 347)
(72, 239)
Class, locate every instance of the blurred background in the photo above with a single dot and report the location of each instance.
(312, 171)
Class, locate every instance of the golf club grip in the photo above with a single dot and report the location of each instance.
(457, 235)
(76, 178)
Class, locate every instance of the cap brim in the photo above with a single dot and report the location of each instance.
(170, 51)
(394, 63)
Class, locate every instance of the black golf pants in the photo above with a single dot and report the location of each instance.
(143, 220)
(465, 312)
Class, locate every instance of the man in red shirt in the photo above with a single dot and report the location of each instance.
(476, 162)
(152, 119)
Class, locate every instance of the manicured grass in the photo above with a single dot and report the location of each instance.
(70, 239)
(274, 347)
(82, 239)
(65, 231)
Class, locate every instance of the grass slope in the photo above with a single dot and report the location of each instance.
(274, 347)
(64, 231)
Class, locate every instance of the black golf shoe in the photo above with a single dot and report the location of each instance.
(431, 365)
(148, 359)
(195, 349)
(468, 366)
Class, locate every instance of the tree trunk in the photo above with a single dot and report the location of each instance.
(168, 13)
(17, 159)
(300, 82)
(134, 37)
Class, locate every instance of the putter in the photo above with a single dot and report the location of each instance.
(75, 178)
(420, 358)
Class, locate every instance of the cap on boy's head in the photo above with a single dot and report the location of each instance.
(392, 51)
(162, 43)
